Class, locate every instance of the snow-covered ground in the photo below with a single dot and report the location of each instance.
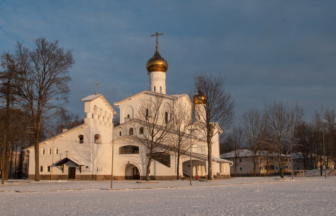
(239, 196)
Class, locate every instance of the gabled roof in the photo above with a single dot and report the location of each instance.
(66, 159)
(174, 97)
(249, 153)
(58, 135)
(93, 97)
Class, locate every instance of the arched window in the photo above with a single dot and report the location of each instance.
(43, 152)
(146, 114)
(119, 133)
(129, 150)
(141, 130)
(97, 139)
(49, 151)
(166, 117)
(128, 116)
(56, 151)
(130, 131)
(160, 89)
(81, 139)
(154, 89)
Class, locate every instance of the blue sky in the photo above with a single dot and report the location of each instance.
(267, 50)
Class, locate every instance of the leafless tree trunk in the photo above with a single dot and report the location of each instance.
(279, 128)
(217, 114)
(155, 118)
(43, 83)
(180, 136)
(253, 123)
(235, 139)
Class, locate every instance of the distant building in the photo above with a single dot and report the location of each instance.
(266, 163)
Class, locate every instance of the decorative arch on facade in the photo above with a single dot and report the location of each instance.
(128, 112)
(121, 169)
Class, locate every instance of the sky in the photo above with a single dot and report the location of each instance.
(268, 51)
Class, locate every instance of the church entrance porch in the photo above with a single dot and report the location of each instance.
(198, 168)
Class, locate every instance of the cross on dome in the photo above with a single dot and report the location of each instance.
(157, 39)
(96, 86)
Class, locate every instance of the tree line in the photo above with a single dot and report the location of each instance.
(279, 131)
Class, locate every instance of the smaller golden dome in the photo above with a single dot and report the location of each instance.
(157, 63)
(200, 98)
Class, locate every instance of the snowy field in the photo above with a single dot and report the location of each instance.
(239, 196)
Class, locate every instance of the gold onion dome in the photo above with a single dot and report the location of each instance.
(157, 63)
(200, 98)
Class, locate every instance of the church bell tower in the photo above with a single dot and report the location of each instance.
(157, 68)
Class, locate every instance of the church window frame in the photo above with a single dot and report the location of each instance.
(97, 139)
(80, 139)
(131, 131)
(129, 149)
(141, 130)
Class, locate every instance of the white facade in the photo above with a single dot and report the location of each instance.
(85, 152)
(157, 82)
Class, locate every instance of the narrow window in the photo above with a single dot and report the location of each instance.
(49, 151)
(48, 168)
(160, 89)
(141, 130)
(97, 139)
(56, 151)
(41, 169)
(128, 116)
(119, 133)
(240, 160)
(241, 168)
(166, 117)
(146, 114)
(81, 139)
(43, 151)
(154, 89)
(131, 131)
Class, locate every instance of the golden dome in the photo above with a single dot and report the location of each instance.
(157, 63)
(200, 98)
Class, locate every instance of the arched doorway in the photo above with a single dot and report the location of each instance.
(132, 172)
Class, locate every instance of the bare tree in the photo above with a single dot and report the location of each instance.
(235, 139)
(180, 136)
(43, 85)
(254, 128)
(280, 125)
(218, 111)
(154, 118)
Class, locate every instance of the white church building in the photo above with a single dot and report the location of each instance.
(85, 151)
